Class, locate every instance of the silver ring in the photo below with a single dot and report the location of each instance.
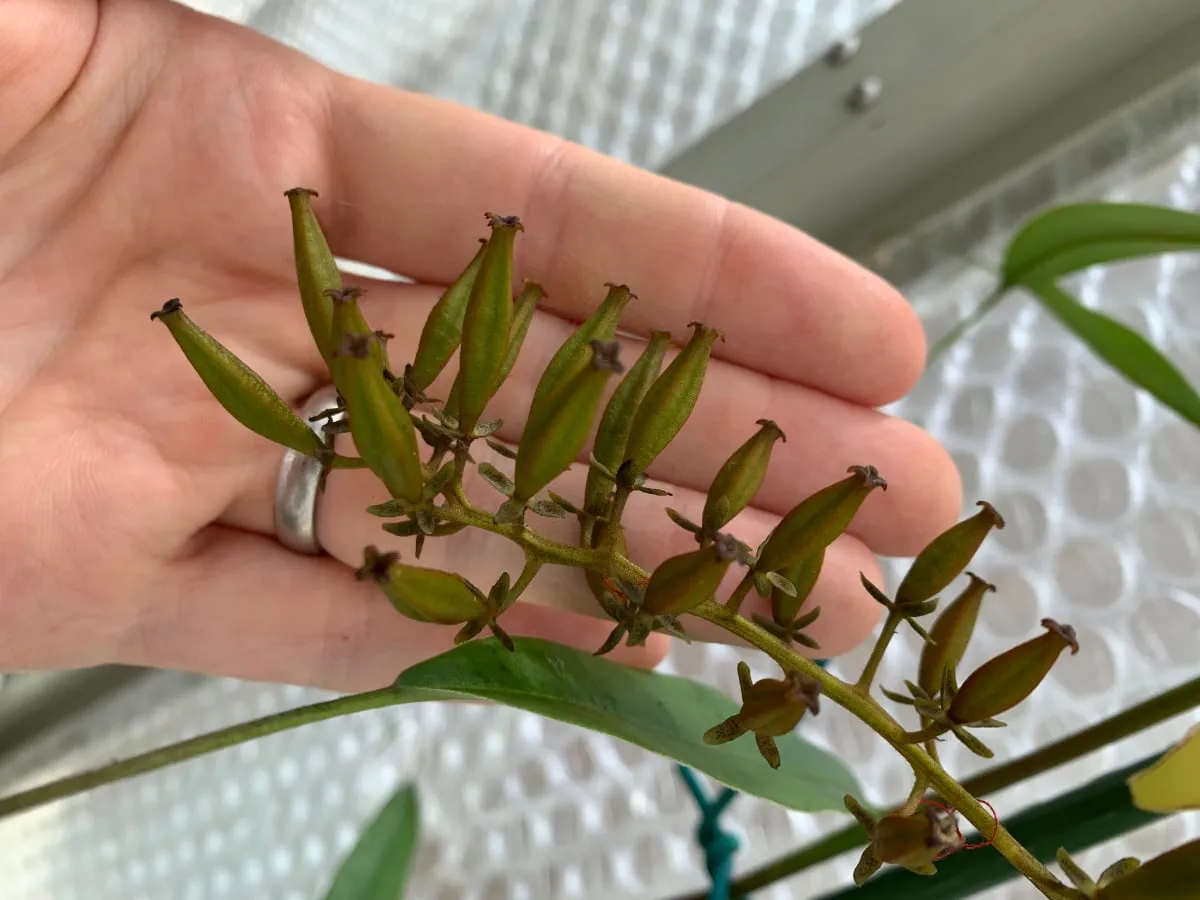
(299, 477)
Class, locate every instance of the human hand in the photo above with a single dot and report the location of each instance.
(144, 154)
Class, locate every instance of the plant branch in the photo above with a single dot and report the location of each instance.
(952, 337)
(734, 603)
(197, 746)
(885, 638)
(1145, 715)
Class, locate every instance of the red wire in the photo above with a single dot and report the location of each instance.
(958, 831)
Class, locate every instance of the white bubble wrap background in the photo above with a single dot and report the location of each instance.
(1100, 487)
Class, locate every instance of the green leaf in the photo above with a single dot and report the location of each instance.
(1068, 238)
(378, 866)
(1172, 876)
(665, 714)
(1123, 349)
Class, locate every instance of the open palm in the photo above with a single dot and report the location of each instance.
(144, 153)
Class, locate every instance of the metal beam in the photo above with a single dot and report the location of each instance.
(969, 91)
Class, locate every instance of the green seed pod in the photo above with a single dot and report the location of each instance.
(487, 323)
(551, 443)
(945, 557)
(425, 595)
(573, 356)
(816, 521)
(915, 841)
(669, 401)
(771, 708)
(236, 386)
(442, 332)
(1005, 680)
(316, 269)
(613, 430)
(523, 309)
(1174, 875)
(803, 576)
(683, 582)
(382, 428)
(951, 632)
(739, 478)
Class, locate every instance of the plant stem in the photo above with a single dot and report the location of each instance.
(734, 603)
(1145, 715)
(197, 746)
(951, 337)
(885, 637)
(865, 708)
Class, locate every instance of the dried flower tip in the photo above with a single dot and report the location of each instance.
(497, 221)
(729, 548)
(1066, 632)
(344, 294)
(171, 306)
(606, 355)
(375, 565)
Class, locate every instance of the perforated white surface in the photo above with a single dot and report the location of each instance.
(1099, 487)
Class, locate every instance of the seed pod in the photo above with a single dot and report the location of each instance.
(739, 478)
(1173, 875)
(523, 309)
(915, 841)
(613, 431)
(236, 386)
(770, 708)
(815, 522)
(683, 582)
(1005, 680)
(382, 428)
(425, 595)
(669, 401)
(487, 323)
(552, 442)
(951, 632)
(945, 557)
(803, 576)
(316, 269)
(442, 332)
(573, 357)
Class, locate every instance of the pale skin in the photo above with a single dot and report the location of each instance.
(144, 152)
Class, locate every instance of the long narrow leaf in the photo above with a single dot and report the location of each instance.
(378, 866)
(662, 713)
(1069, 238)
(1123, 349)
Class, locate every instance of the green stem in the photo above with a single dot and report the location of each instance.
(533, 565)
(197, 746)
(734, 603)
(1145, 715)
(950, 338)
(865, 708)
(885, 638)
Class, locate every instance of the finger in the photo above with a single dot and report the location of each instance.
(826, 434)
(344, 529)
(243, 606)
(789, 305)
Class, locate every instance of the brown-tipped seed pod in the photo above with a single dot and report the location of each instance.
(951, 633)
(1174, 875)
(669, 401)
(803, 576)
(487, 323)
(523, 309)
(683, 582)
(915, 841)
(771, 708)
(1005, 680)
(552, 442)
(613, 430)
(945, 557)
(739, 478)
(316, 269)
(236, 386)
(575, 354)
(442, 332)
(425, 595)
(382, 428)
(816, 521)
